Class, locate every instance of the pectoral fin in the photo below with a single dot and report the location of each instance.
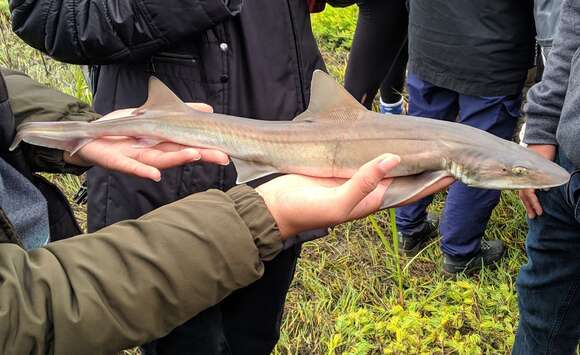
(405, 187)
(248, 170)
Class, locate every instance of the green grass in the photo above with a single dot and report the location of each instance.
(352, 293)
(4, 7)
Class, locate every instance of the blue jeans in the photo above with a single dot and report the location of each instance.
(467, 210)
(549, 284)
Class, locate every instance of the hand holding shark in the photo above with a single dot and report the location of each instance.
(123, 154)
(299, 203)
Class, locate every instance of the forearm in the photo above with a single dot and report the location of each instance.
(546, 99)
(136, 280)
(106, 31)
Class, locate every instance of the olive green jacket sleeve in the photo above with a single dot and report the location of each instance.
(31, 101)
(136, 280)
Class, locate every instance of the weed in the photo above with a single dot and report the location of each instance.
(334, 27)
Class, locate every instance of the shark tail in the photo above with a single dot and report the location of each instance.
(67, 136)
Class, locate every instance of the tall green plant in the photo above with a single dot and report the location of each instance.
(4, 8)
(334, 28)
(391, 250)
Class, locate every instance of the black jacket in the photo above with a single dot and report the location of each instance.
(19, 96)
(479, 47)
(253, 60)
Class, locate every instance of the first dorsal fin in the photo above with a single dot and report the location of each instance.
(329, 100)
(161, 98)
(328, 95)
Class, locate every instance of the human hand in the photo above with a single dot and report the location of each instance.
(300, 203)
(123, 154)
(528, 196)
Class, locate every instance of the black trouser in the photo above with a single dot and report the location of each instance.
(379, 51)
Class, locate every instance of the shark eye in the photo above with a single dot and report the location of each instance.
(519, 171)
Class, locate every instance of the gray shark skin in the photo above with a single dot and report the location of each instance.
(333, 138)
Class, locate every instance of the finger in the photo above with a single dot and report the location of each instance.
(200, 106)
(130, 166)
(535, 202)
(365, 181)
(127, 112)
(164, 160)
(171, 147)
(524, 197)
(372, 202)
(207, 155)
(528, 207)
(214, 156)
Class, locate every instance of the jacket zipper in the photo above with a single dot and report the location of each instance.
(298, 54)
(174, 58)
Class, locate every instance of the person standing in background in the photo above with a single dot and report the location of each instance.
(546, 15)
(467, 60)
(379, 54)
(548, 284)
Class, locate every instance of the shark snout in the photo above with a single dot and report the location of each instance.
(551, 175)
(536, 173)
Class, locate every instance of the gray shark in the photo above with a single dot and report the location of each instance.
(332, 138)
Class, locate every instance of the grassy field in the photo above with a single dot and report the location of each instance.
(352, 294)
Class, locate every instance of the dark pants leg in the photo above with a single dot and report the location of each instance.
(245, 323)
(467, 210)
(425, 100)
(379, 51)
(253, 315)
(394, 83)
(200, 335)
(549, 284)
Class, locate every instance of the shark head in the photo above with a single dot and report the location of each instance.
(506, 166)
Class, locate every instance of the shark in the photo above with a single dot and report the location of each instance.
(334, 137)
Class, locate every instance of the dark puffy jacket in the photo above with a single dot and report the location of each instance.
(252, 59)
(479, 48)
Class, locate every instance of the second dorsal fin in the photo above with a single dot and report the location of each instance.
(328, 95)
(329, 100)
(161, 98)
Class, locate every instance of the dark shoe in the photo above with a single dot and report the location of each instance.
(411, 244)
(490, 252)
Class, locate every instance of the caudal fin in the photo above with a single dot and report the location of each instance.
(66, 136)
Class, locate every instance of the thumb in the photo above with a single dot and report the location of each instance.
(366, 180)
